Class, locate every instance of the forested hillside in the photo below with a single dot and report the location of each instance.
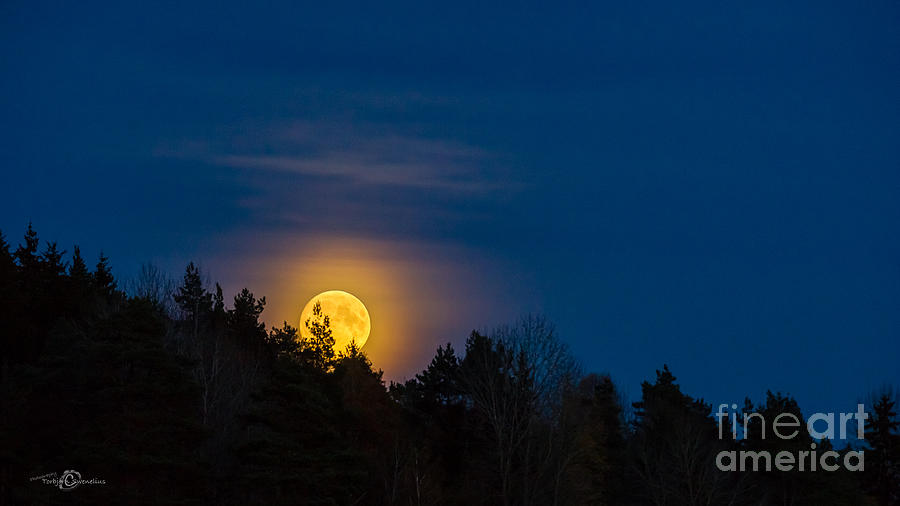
(173, 393)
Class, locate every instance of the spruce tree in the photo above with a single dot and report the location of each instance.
(219, 313)
(883, 457)
(193, 299)
(7, 261)
(103, 279)
(52, 260)
(440, 380)
(27, 254)
(78, 270)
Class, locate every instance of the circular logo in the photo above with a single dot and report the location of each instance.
(69, 480)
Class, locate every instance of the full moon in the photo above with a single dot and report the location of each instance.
(347, 315)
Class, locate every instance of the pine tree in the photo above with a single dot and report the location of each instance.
(34, 302)
(193, 299)
(219, 300)
(292, 443)
(78, 270)
(793, 487)
(674, 446)
(52, 261)
(27, 254)
(7, 271)
(318, 345)
(440, 380)
(594, 427)
(8, 306)
(883, 458)
(371, 421)
(7, 261)
(284, 341)
(127, 406)
(243, 320)
(104, 281)
(218, 311)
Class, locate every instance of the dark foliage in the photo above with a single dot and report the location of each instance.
(172, 397)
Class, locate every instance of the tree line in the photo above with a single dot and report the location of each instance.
(173, 395)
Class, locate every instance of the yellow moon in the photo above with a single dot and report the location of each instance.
(347, 315)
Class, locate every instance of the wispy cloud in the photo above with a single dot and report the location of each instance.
(355, 178)
(359, 156)
(424, 165)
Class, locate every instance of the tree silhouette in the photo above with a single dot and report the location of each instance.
(883, 459)
(243, 319)
(8, 308)
(26, 254)
(103, 277)
(592, 418)
(199, 404)
(674, 447)
(193, 299)
(78, 270)
(284, 341)
(318, 346)
(52, 260)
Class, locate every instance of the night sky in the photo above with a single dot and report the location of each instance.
(712, 186)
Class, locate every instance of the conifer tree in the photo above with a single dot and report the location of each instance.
(126, 405)
(193, 299)
(27, 254)
(7, 261)
(292, 443)
(440, 380)
(284, 341)
(104, 281)
(218, 311)
(593, 418)
(219, 300)
(883, 458)
(318, 345)
(7, 272)
(243, 319)
(674, 447)
(8, 303)
(52, 261)
(78, 270)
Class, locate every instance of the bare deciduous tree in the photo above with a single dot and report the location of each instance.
(515, 380)
(154, 285)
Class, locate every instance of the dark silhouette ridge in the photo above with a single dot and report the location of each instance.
(172, 396)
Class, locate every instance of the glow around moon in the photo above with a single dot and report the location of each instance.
(348, 316)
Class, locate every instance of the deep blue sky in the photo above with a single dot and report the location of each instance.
(713, 186)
